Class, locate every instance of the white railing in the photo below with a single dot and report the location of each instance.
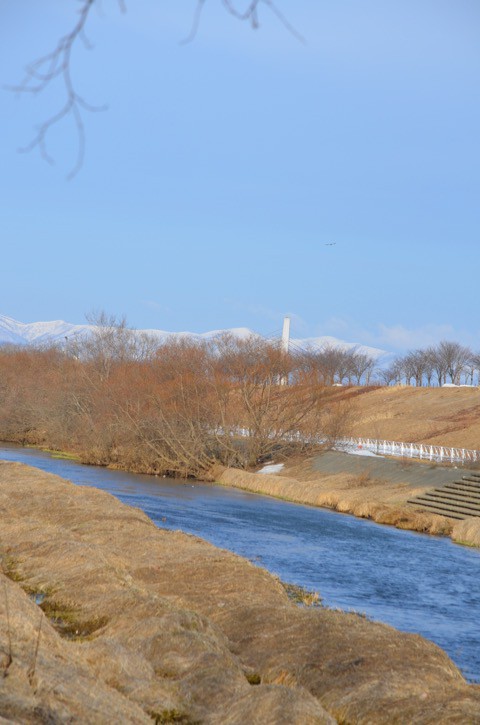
(439, 454)
(423, 451)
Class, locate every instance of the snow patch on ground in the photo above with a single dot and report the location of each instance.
(272, 468)
(356, 451)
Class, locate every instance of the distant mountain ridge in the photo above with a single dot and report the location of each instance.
(44, 333)
(20, 333)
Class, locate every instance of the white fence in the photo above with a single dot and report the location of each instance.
(439, 454)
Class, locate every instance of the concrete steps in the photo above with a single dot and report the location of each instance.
(468, 490)
(457, 500)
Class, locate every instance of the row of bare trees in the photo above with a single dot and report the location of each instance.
(122, 399)
(335, 365)
(445, 363)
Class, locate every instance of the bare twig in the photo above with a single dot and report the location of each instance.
(57, 65)
(250, 15)
(9, 634)
(196, 22)
(31, 672)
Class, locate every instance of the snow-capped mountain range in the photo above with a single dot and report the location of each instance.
(55, 332)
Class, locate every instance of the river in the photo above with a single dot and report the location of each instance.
(416, 583)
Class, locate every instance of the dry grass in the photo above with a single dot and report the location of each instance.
(184, 627)
(467, 532)
(442, 416)
(303, 596)
(361, 496)
(46, 676)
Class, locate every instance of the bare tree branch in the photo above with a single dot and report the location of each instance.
(56, 66)
(196, 22)
(250, 15)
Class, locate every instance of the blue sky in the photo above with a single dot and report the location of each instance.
(223, 168)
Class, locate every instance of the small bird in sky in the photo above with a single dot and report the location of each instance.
(330, 244)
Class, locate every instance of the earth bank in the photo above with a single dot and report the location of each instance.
(104, 617)
(358, 493)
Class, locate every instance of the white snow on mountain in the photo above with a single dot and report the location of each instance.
(240, 332)
(56, 332)
(39, 333)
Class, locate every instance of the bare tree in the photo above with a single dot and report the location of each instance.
(475, 367)
(439, 366)
(429, 364)
(455, 358)
(472, 367)
(329, 364)
(394, 373)
(111, 341)
(271, 414)
(362, 366)
(387, 375)
(414, 364)
(448, 360)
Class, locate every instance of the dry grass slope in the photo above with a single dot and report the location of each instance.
(164, 627)
(441, 416)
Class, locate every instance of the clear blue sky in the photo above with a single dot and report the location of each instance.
(222, 169)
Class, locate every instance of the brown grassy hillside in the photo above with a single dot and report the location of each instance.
(442, 416)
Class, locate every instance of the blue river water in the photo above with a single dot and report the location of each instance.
(414, 582)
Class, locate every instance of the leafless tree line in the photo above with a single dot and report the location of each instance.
(445, 363)
(122, 399)
(334, 365)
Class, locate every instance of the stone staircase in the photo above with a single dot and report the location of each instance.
(457, 500)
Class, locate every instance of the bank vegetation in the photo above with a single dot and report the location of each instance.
(177, 407)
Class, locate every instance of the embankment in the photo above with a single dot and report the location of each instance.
(439, 416)
(106, 618)
(359, 495)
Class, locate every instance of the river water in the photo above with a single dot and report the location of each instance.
(414, 582)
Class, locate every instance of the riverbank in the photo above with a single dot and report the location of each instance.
(137, 623)
(375, 493)
(361, 495)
